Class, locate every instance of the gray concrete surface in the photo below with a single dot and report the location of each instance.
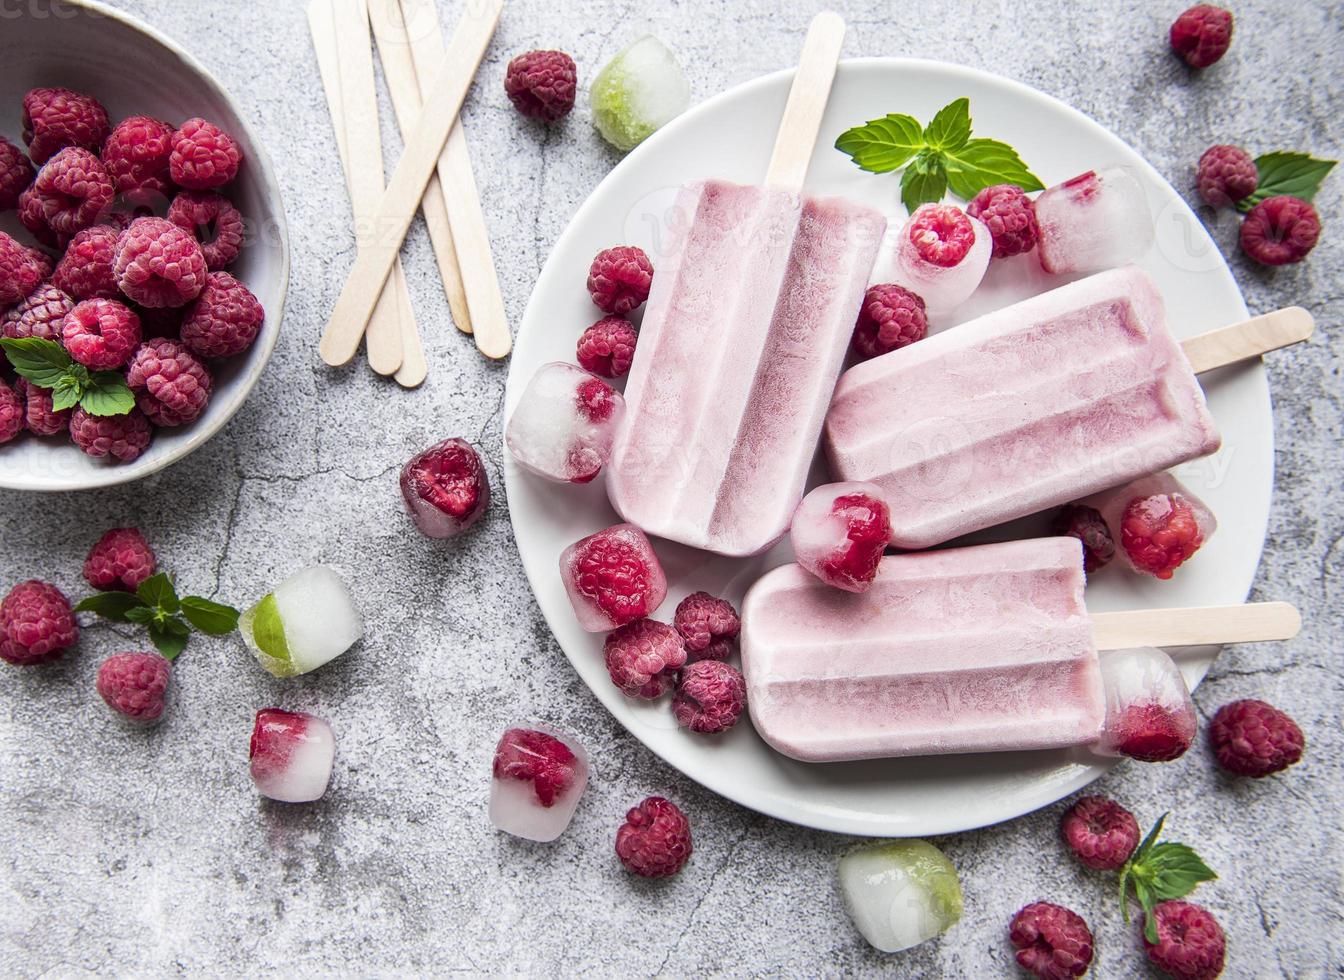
(149, 853)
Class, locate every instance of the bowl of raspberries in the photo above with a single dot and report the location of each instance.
(143, 250)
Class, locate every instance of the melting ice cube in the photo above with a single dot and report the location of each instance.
(538, 776)
(933, 261)
(1095, 221)
(564, 424)
(1156, 522)
(291, 755)
(1149, 713)
(839, 533)
(900, 894)
(309, 619)
(638, 91)
(612, 578)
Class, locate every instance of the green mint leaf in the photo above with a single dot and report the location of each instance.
(1173, 870)
(107, 394)
(882, 145)
(1146, 845)
(982, 163)
(43, 362)
(924, 181)
(65, 395)
(158, 593)
(213, 618)
(951, 127)
(144, 615)
(116, 606)
(1284, 172)
(1149, 925)
(170, 636)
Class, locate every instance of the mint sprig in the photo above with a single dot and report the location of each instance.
(1158, 872)
(46, 364)
(937, 156)
(1286, 172)
(168, 619)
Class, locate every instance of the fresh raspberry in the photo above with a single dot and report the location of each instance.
(1252, 738)
(136, 156)
(1202, 35)
(539, 758)
(612, 571)
(869, 523)
(1280, 230)
(119, 561)
(890, 318)
(134, 684)
(619, 279)
(41, 314)
(123, 437)
(32, 215)
(608, 347)
(1190, 942)
(215, 223)
(171, 386)
(20, 272)
(1159, 533)
(1051, 941)
(1101, 833)
(203, 156)
(36, 623)
(1152, 732)
(42, 418)
(13, 413)
(710, 697)
(643, 658)
(101, 333)
(1225, 175)
(941, 234)
(541, 84)
(708, 626)
(16, 173)
(85, 271)
(44, 263)
(1086, 524)
(1010, 217)
(655, 840)
(445, 488)
(74, 189)
(159, 264)
(224, 320)
(54, 118)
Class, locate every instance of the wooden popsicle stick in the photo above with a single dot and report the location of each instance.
(1205, 625)
(413, 368)
(394, 49)
(489, 322)
(401, 200)
(797, 135)
(1250, 338)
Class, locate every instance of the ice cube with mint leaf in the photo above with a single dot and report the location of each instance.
(309, 619)
(639, 90)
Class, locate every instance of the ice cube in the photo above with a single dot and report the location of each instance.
(639, 90)
(309, 619)
(1149, 713)
(613, 578)
(1156, 522)
(1095, 221)
(291, 755)
(929, 260)
(538, 776)
(564, 424)
(445, 488)
(901, 893)
(839, 533)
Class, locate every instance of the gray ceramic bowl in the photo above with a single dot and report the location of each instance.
(132, 69)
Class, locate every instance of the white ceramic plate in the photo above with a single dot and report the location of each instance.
(731, 136)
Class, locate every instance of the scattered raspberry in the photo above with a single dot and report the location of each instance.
(224, 320)
(159, 264)
(32, 215)
(119, 561)
(85, 271)
(13, 413)
(1051, 941)
(36, 623)
(203, 156)
(1010, 217)
(539, 758)
(1202, 35)
(869, 522)
(136, 156)
(42, 418)
(20, 272)
(1152, 732)
(643, 658)
(54, 118)
(449, 478)
(101, 333)
(1252, 738)
(1086, 524)
(134, 684)
(655, 840)
(541, 84)
(1225, 175)
(41, 314)
(890, 318)
(123, 437)
(16, 173)
(215, 223)
(1280, 230)
(1190, 942)
(708, 626)
(612, 571)
(941, 234)
(1101, 833)
(619, 279)
(1159, 533)
(710, 697)
(171, 386)
(608, 347)
(74, 189)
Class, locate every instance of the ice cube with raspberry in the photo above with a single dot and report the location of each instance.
(941, 255)
(612, 578)
(839, 533)
(563, 426)
(1149, 713)
(537, 779)
(1157, 523)
(1097, 220)
(445, 488)
(309, 619)
(291, 755)
(900, 893)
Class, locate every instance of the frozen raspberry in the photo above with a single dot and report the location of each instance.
(16, 173)
(445, 488)
(134, 684)
(203, 156)
(123, 437)
(54, 118)
(1010, 217)
(619, 279)
(136, 156)
(596, 400)
(1159, 533)
(74, 189)
(1190, 942)
(41, 314)
(159, 264)
(1086, 524)
(224, 320)
(869, 522)
(617, 571)
(1202, 35)
(655, 840)
(643, 658)
(891, 317)
(20, 271)
(42, 418)
(942, 234)
(13, 413)
(1252, 738)
(539, 758)
(710, 697)
(1101, 833)
(541, 84)
(1152, 732)
(85, 271)
(215, 222)
(1280, 230)
(708, 626)
(172, 387)
(101, 333)
(608, 347)
(36, 623)
(32, 215)
(1051, 941)
(1225, 175)
(119, 561)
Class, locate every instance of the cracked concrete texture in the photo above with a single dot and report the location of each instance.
(149, 853)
